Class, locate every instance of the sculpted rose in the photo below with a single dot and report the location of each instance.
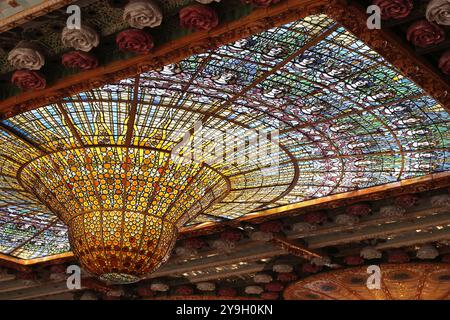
(83, 39)
(424, 33)
(28, 80)
(134, 40)
(394, 9)
(439, 11)
(142, 13)
(24, 56)
(198, 17)
(79, 60)
(444, 62)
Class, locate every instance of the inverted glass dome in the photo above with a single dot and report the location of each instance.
(298, 112)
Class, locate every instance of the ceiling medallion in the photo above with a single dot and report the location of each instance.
(404, 281)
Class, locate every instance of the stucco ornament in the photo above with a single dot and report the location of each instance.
(83, 39)
(439, 11)
(142, 13)
(26, 56)
(370, 253)
(427, 252)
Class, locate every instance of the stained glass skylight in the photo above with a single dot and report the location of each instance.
(338, 116)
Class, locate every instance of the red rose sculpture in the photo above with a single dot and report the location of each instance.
(184, 290)
(231, 235)
(406, 200)
(286, 277)
(261, 3)
(394, 9)
(28, 80)
(315, 217)
(398, 256)
(310, 268)
(444, 65)
(274, 286)
(145, 291)
(227, 292)
(446, 258)
(270, 295)
(271, 226)
(194, 243)
(424, 33)
(134, 40)
(353, 260)
(198, 17)
(79, 60)
(58, 268)
(359, 210)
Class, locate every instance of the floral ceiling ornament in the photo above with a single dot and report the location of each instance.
(444, 62)
(353, 260)
(359, 210)
(274, 286)
(206, 286)
(424, 33)
(321, 261)
(303, 227)
(427, 251)
(346, 220)
(439, 11)
(253, 290)
(159, 287)
(370, 253)
(83, 39)
(261, 3)
(394, 9)
(262, 278)
(317, 217)
(406, 201)
(442, 200)
(227, 292)
(398, 256)
(310, 268)
(392, 211)
(282, 268)
(27, 56)
(134, 40)
(184, 290)
(261, 236)
(142, 13)
(28, 80)
(198, 17)
(79, 60)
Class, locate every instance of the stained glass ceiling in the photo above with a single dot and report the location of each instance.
(344, 119)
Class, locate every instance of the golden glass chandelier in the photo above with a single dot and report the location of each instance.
(123, 206)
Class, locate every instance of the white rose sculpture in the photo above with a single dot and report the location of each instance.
(427, 252)
(439, 11)
(206, 286)
(83, 39)
(254, 290)
(263, 278)
(159, 286)
(26, 56)
(370, 253)
(142, 13)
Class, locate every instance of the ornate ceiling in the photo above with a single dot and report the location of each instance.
(347, 120)
(414, 281)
